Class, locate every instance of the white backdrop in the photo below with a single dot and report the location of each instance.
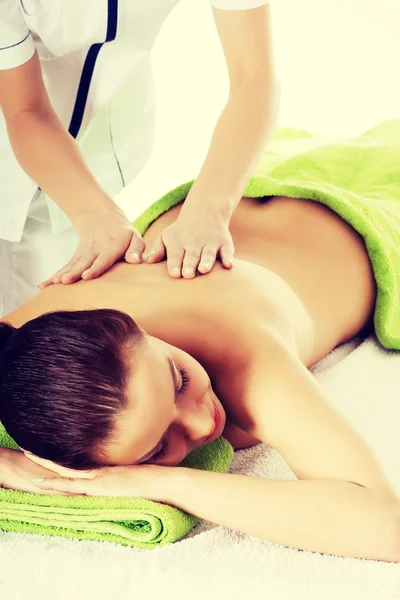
(337, 61)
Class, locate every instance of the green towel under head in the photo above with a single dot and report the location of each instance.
(127, 521)
(358, 178)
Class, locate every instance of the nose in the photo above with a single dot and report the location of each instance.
(198, 424)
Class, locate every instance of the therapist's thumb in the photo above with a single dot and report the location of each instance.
(135, 250)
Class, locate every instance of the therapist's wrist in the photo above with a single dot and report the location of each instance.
(219, 206)
(93, 204)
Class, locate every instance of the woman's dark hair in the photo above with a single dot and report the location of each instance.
(63, 381)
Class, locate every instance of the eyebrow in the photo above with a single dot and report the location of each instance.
(176, 389)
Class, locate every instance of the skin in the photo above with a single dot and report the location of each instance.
(301, 284)
(202, 325)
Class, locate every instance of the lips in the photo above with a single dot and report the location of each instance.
(217, 420)
(217, 417)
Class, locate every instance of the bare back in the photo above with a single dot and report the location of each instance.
(295, 260)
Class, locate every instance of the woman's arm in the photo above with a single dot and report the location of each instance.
(250, 115)
(246, 124)
(332, 517)
(42, 146)
(342, 505)
(51, 157)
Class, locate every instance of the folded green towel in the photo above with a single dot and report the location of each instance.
(358, 178)
(127, 521)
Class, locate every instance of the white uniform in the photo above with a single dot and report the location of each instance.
(79, 44)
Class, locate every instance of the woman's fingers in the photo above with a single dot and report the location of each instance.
(190, 262)
(192, 243)
(158, 251)
(105, 238)
(174, 262)
(76, 271)
(102, 263)
(45, 284)
(64, 485)
(226, 253)
(56, 278)
(43, 462)
(207, 260)
(135, 250)
(64, 471)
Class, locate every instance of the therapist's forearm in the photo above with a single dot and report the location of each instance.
(328, 516)
(52, 158)
(241, 135)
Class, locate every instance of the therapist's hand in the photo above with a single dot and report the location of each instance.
(105, 237)
(193, 243)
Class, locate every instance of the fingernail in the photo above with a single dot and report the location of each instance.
(205, 265)
(135, 256)
(64, 278)
(37, 480)
(176, 271)
(40, 285)
(86, 272)
(188, 271)
(150, 254)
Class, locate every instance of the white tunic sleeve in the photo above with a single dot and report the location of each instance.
(16, 44)
(236, 4)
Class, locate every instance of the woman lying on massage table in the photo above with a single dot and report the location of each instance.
(136, 369)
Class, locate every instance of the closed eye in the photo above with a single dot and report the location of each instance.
(185, 381)
(184, 387)
(161, 453)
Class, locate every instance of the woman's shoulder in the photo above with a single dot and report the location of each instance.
(52, 298)
(243, 365)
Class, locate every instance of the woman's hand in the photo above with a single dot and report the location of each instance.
(104, 238)
(193, 242)
(139, 481)
(18, 473)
